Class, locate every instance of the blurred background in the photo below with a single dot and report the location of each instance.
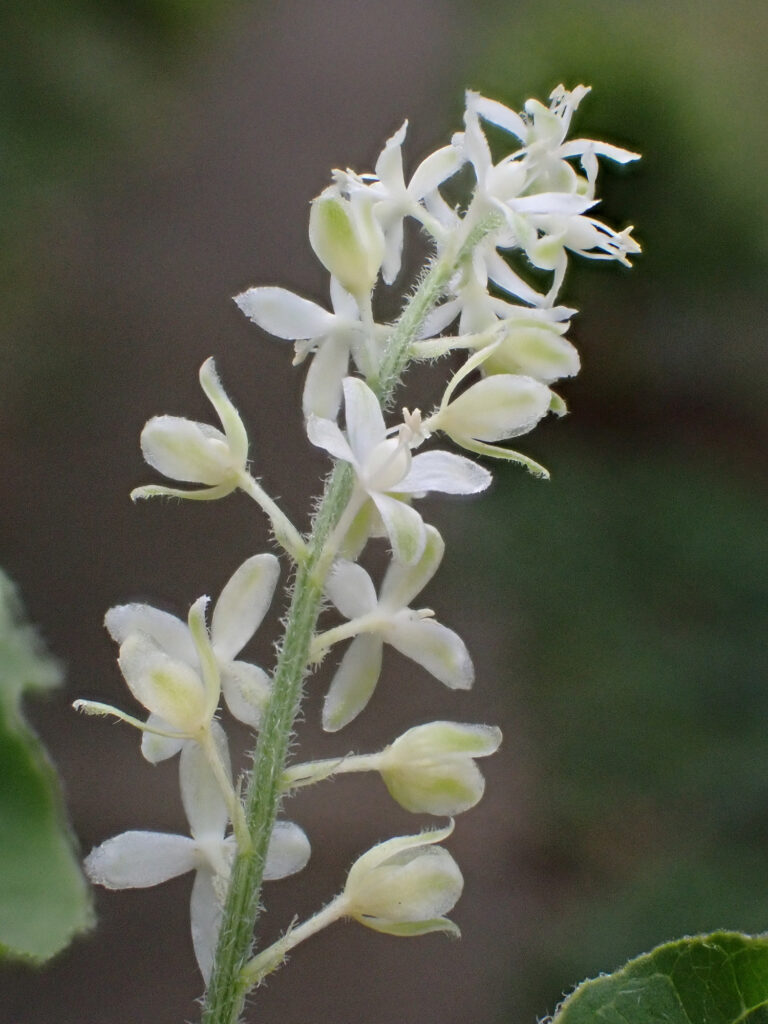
(157, 157)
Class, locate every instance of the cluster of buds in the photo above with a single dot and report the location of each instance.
(531, 209)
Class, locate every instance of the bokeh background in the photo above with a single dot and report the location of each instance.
(157, 156)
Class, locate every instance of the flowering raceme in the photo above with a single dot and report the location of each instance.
(489, 298)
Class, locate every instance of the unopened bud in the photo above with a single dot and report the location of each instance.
(405, 885)
(497, 407)
(347, 239)
(535, 349)
(430, 768)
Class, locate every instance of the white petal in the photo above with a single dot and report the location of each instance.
(389, 166)
(393, 251)
(284, 314)
(537, 350)
(205, 913)
(242, 605)
(436, 741)
(200, 792)
(159, 748)
(322, 388)
(552, 202)
(185, 450)
(237, 439)
(288, 851)
(169, 688)
(344, 304)
(444, 472)
(365, 423)
(351, 589)
(361, 530)
(409, 929)
(579, 146)
(435, 647)
(404, 526)
(474, 142)
(497, 113)
(438, 207)
(135, 860)
(387, 464)
(391, 849)
(354, 682)
(246, 690)
(403, 582)
(497, 407)
(170, 633)
(505, 277)
(440, 318)
(434, 170)
(326, 434)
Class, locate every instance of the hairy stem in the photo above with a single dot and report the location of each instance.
(228, 985)
(226, 991)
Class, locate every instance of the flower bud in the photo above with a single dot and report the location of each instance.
(430, 769)
(347, 239)
(497, 407)
(535, 349)
(404, 885)
(184, 450)
(192, 452)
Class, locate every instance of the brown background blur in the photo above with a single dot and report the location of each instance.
(160, 158)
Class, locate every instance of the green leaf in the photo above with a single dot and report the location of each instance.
(710, 979)
(44, 899)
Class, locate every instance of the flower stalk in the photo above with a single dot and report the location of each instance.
(534, 200)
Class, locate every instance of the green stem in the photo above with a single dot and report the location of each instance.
(228, 985)
(285, 532)
(231, 799)
(308, 774)
(372, 623)
(429, 292)
(227, 990)
(260, 966)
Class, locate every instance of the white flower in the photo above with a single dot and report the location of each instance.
(386, 470)
(388, 619)
(430, 768)
(177, 671)
(331, 336)
(396, 200)
(194, 452)
(541, 196)
(546, 235)
(506, 186)
(405, 885)
(543, 130)
(142, 859)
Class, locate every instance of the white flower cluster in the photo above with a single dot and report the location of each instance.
(492, 250)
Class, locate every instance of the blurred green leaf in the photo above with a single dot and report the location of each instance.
(711, 979)
(43, 896)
